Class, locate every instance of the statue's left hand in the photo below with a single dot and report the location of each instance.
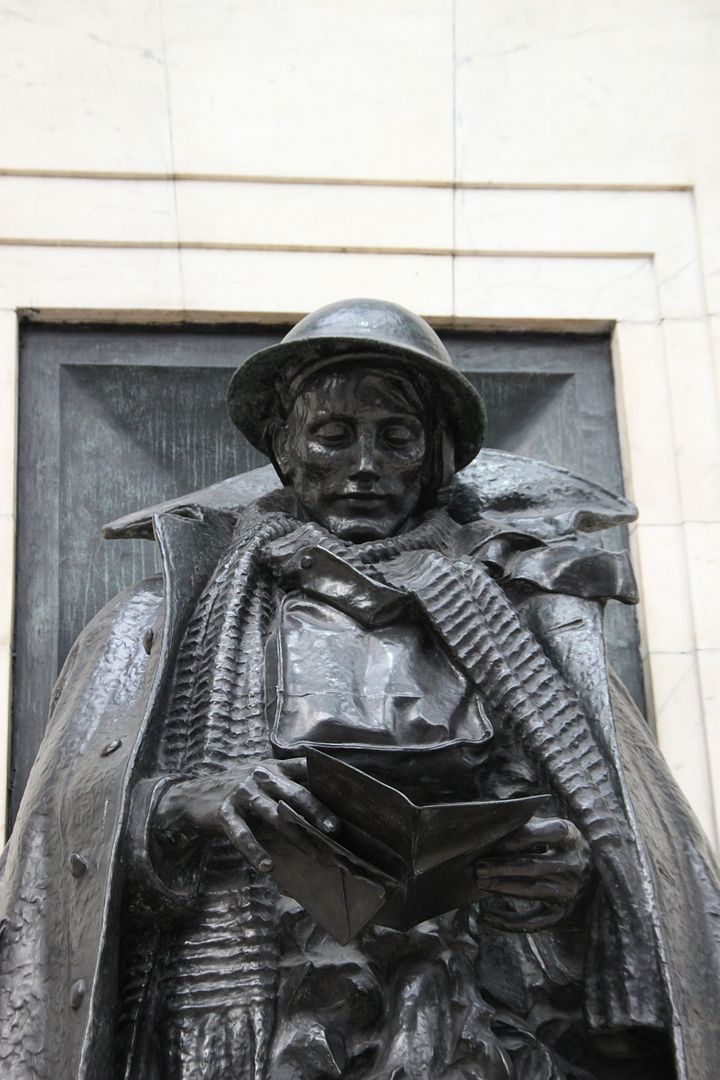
(546, 861)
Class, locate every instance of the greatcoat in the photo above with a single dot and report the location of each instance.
(64, 870)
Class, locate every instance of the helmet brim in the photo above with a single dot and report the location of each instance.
(251, 393)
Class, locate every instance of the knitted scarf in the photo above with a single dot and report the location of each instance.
(222, 967)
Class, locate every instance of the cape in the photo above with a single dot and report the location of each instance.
(63, 872)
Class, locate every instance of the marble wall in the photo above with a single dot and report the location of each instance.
(489, 164)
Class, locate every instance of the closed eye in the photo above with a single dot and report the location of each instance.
(332, 432)
(399, 436)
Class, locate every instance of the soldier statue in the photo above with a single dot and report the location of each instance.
(179, 899)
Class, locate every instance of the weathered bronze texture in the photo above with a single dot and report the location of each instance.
(351, 792)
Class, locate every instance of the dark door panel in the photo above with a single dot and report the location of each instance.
(114, 419)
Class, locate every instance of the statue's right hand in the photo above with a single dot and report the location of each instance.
(227, 803)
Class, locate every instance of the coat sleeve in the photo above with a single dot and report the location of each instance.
(61, 885)
(163, 881)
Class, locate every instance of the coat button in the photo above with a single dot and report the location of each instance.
(77, 994)
(111, 747)
(306, 562)
(147, 640)
(78, 865)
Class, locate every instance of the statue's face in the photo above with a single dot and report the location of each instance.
(354, 451)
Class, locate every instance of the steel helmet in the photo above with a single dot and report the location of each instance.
(390, 334)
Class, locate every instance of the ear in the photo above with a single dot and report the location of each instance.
(439, 467)
(277, 441)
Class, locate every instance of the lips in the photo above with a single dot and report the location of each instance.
(361, 496)
(360, 501)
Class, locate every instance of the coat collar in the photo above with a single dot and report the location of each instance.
(514, 492)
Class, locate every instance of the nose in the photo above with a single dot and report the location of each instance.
(364, 465)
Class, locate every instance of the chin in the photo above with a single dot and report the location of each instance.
(358, 530)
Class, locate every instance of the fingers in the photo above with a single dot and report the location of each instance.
(541, 917)
(239, 834)
(281, 787)
(295, 767)
(556, 889)
(549, 832)
(547, 859)
(533, 867)
(219, 804)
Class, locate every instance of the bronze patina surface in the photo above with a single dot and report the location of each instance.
(351, 792)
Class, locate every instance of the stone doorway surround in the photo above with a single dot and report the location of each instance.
(159, 249)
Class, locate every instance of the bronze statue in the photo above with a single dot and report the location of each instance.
(350, 792)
